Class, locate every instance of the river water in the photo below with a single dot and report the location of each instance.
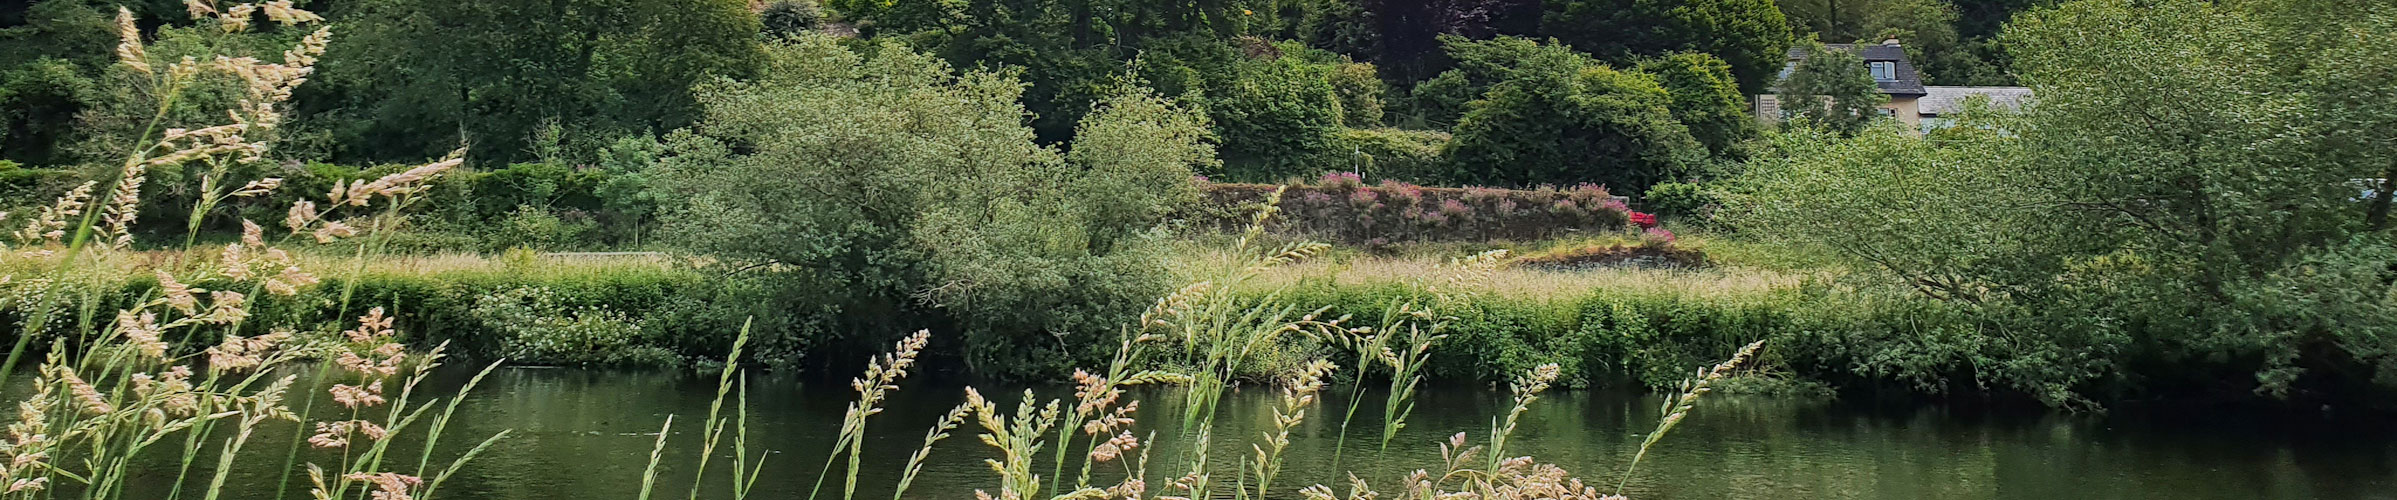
(578, 434)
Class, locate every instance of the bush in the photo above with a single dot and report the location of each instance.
(1360, 91)
(1387, 153)
(499, 193)
(538, 330)
(538, 228)
(1680, 199)
(1274, 118)
(1706, 99)
(1559, 118)
(1654, 339)
(827, 171)
(786, 18)
(26, 187)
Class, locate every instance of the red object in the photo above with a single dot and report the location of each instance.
(1643, 220)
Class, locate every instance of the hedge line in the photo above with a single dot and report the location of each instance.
(1340, 208)
(659, 315)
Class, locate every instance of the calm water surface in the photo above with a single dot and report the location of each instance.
(587, 435)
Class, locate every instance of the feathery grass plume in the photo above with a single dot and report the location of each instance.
(1298, 393)
(1198, 482)
(50, 225)
(1678, 407)
(129, 47)
(657, 453)
(100, 405)
(915, 462)
(1095, 396)
(882, 376)
(1526, 389)
(715, 424)
(122, 205)
(1357, 490)
(1018, 441)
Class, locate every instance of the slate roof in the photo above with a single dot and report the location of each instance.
(1909, 82)
(1944, 100)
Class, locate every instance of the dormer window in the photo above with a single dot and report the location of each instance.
(1884, 71)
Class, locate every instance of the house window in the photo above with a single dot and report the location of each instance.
(1886, 112)
(1884, 70)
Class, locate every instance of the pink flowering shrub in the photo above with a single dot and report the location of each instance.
(1342, 180)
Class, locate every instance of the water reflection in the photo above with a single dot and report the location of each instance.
(587, 434)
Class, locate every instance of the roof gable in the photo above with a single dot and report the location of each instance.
(1908, 82)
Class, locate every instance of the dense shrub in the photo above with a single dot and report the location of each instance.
(786, 18)
(535, 227)
(1387, 153)
(536, 329)
(1750, 34)
(1274, 118)
(1705, 99)
(23, 187)
(1360, 92)
(1678, 199)
(1654, 339)
(1557, 117)
(826, 170)
(1341, 208)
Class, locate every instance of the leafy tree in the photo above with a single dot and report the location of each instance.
(1479, 64)
(1929, 29)
(920, 192)
(1751, 35)
(2173, 213)
(1564, 119)
(412, 78)
(35, 98)
(2348, 86)
(1705, 99)
(50, 67)
(1831, 88)
(790, 17)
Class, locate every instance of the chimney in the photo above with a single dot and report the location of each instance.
(1891, 42)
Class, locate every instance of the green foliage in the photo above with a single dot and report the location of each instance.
(1833, 89)
(35, 98)
(786, 18)
(2158, 222)
(1273, 117)
(538, 330)
(27, 187)
(535, 227)
(1706, 99)
(1342, 209)
(978, 223)
(1678, 199)
(1560, 119)
(2347, 89)
(1388, 153)
(1137, 153)
(1360, 92)
(1751, 35)
(598, 68)
(1949, 42)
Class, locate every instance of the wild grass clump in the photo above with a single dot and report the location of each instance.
(1194, 338)
(170, 372)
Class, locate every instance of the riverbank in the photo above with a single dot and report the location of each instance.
(1625, 326)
